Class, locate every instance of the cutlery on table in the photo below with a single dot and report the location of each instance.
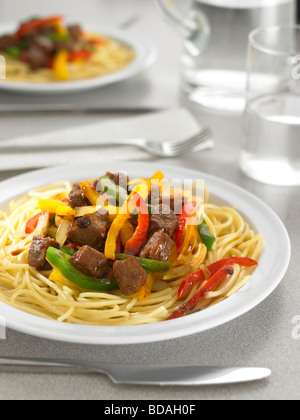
(201, 141)
(72, 109)
(154, 375)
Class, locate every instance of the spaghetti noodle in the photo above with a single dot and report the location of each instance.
(47, 50)
(110, 57)
(27, 289)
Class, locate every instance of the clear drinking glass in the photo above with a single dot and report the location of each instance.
(271, 134)
(215, 41)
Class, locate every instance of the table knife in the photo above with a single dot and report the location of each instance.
(154, 375)
(73, 109)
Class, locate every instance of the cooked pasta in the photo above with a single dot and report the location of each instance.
(47, 50)
(36, 292)
(107, 59)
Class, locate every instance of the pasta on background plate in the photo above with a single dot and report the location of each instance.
(46, 50)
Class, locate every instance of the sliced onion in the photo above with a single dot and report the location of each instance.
(82, 211)
(193, 264)
(62, 232)
(41, 229)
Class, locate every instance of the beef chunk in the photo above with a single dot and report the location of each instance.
(159, 247)
(154, 195)
(36, 57)
(129, 275)
(90, 262)
(43, 43)
(77, 198)
(75, 32)
(38, 251)
(176, 202)
(120, 179)
(163, 219)
(68, 45)
(90, 230)
(7, 41)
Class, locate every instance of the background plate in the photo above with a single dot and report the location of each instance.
(272, 267)
(146, 55)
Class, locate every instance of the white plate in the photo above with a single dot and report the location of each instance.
(146, 55)
(272, 267)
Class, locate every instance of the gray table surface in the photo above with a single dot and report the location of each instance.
(262, 337)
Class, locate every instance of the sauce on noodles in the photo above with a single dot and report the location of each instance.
(49, 294)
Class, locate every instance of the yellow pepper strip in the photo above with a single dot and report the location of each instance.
(158, 176)
(113, 234)
(124, 214)
(90, 192)
(190, 241)
(126, 233)
(60, 28)
(60, 65)
(56, 207)
(57, 277)
(146, 290)
(60, 196)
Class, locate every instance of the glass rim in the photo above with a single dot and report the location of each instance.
(271, 51)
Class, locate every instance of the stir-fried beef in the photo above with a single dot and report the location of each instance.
(120, 179)
(65, 45)
(154, 195)
(90, 262)
(175, 202)
(36, 57)
(129, 275)
(77, 198)
(38, 251)
(38, 46)
(163, 219)
(159, 247)
(75, 32)
(43, 43)
(7, 41)
(90, 230)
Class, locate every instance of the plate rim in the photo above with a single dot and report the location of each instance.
(156, 332)
(147, 54)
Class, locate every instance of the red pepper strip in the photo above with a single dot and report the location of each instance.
(39, 23)
(134, 245)
(97, 41)
(73, 246)
(80, 55)
(208, 287)
(31, 225)
(187, 211)
(119, 245)
(199, 276)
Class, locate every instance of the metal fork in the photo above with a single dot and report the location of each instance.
(203, 140)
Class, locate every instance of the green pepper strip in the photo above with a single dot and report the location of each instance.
(206, 237)
(114, 190)
(68, 250)
(149, 265)
(60, 260)
(14, 52)
(118, 193)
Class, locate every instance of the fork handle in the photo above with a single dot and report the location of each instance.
(10, 145)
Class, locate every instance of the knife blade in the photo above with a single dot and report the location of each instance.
(155, 375)
(72, 109)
